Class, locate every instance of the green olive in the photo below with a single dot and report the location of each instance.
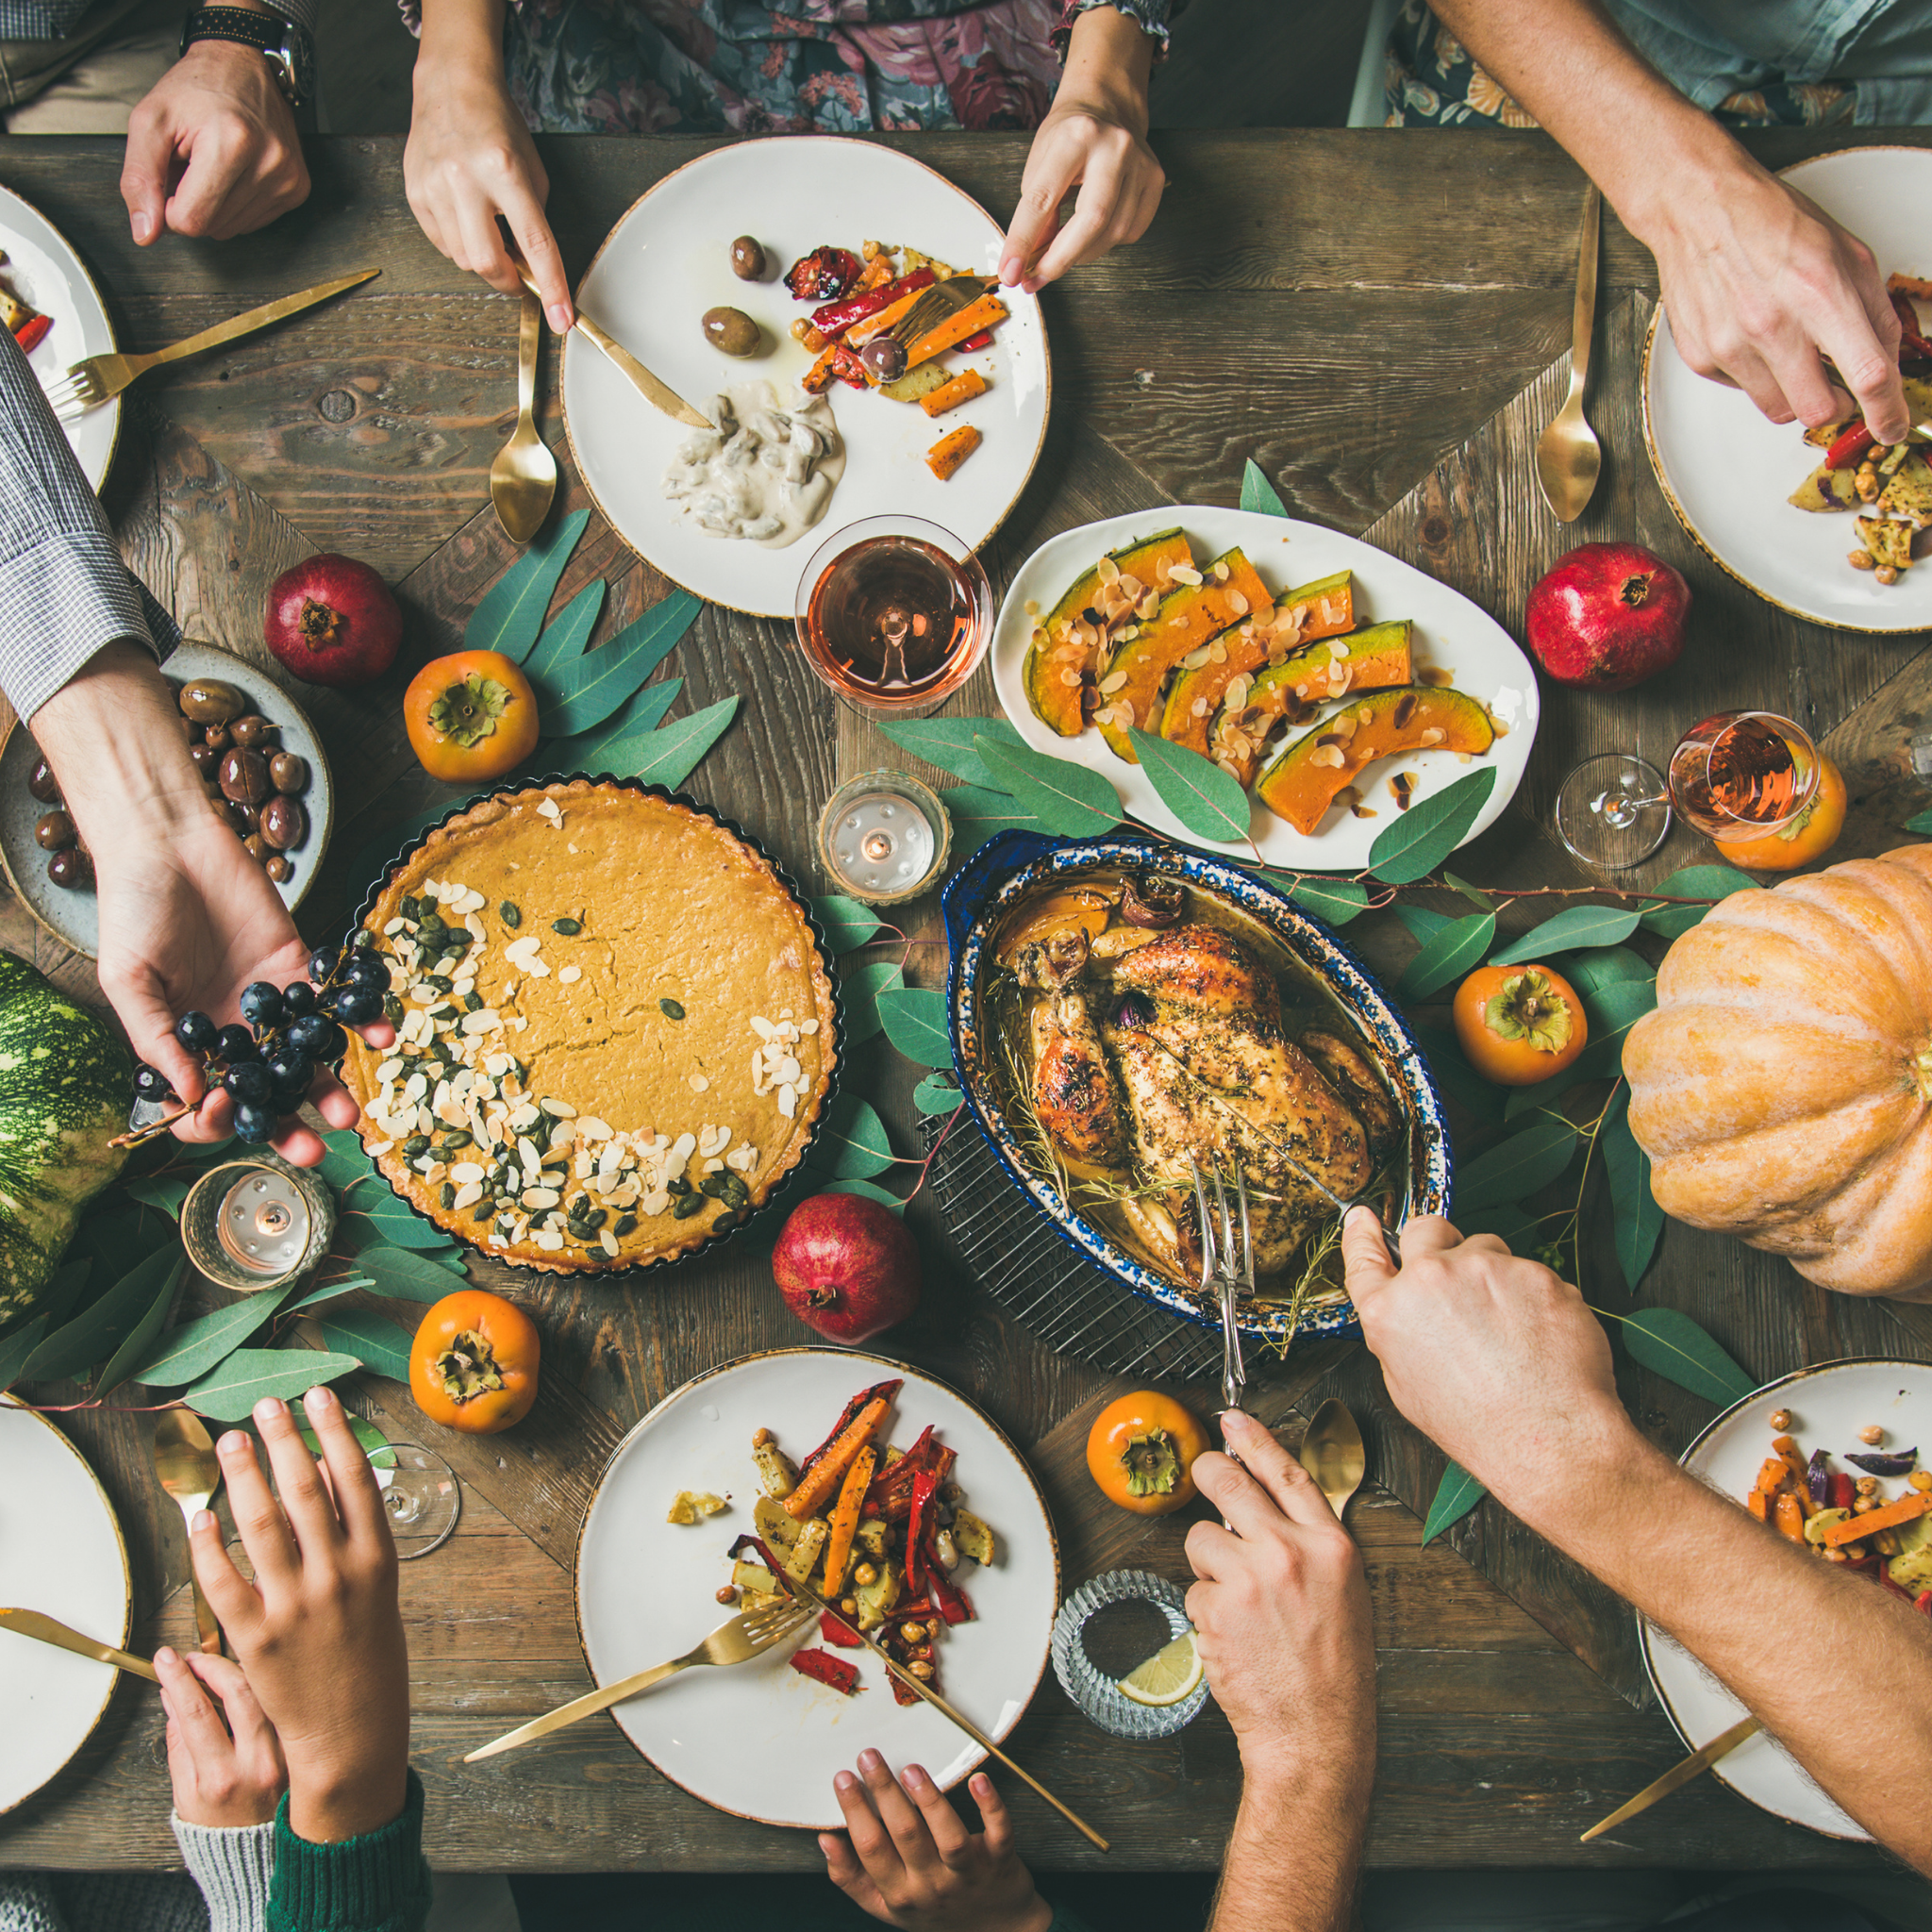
(733, 331)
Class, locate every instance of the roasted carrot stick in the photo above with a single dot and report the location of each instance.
(1758, 1503)
(845, 1518)
(956, 328)
(949, 452)
(1886, 1517)
(1790, 1517)
(963, 389)
(862, 331)
(823, 1478)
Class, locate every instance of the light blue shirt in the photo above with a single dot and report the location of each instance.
(1711, 49)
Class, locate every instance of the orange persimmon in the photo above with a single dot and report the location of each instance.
(1809, 836)
(1518, 1025)
(471, 716)
(473, 1365)
(1140, 1451)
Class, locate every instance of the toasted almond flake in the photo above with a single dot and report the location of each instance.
(807, 1027)
(1193, 661)
(607, 1241)
(391, 1070)
(534, 1198)
(484, 1020)
(1217, 652)
(1328, 755)
(1070, 677)
(1032, 607)
(788, 1102)
(1228, 766)
(1112, 682)
(549, 808)
(654, 1202)
(526, 1154)
(1337, 648)
(1107, 570)
(394, 926)
(589, 1129)
(1237, 688)
(1219, 573)
(1235, 601)
(463, 1171)
(1198, 708)
(699, 1084)
(1498, 725)
(1434, 735)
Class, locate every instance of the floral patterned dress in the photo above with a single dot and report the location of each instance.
(791, 66)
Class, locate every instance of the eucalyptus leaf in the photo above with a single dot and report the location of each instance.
(1453, 1072)
(625, 735)
(937, 1094)
(374, 1444)
(1209, 802)
(187, 1352)
(16, 1349)
(165, 1196)
(1337, 901)
(141, 1337)
(230, 1391)
(1597, 967)
(670, 755)
(869, 1189)
(1639, 1221)
(1457, 1495)
(1613, 1010)
(94, 1334)
(1581, 926)
(563, 639)
(330, 1289)
(394, 1221)
(1694, 882)
(847, 924)
(345, 1162)
(1422, 924)
(374, 1339)
(511, 612)
(1257, 494)
(1453, 951)
(1475, 894)
(117, 1242)
(586, 693)
(405, 1275)
(853, 1141)
(1673, 1347)
(1535, 1098)
(947, 742)
(978, 814)
(1918, 822)
(1073, 801)
(860, 991)
(1516, 1168)
(65, 1291)
(1424, 835)
(915, 1022)
(1506, 1221)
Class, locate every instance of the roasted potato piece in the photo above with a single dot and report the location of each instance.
(1909, 494)
(814, 1533)
(876, 1599)
(1827, 489)
(869, 1537)
(1889, 543)
(779, 1530)
(756, 1579)
(690, 1505)
(778, 1476)
(973, 1537)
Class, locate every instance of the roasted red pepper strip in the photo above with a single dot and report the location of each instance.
(1923, 1602)
(878, 1391)
(982, 340)
(1843, 1491)
(896, 1478)
(1910, 342)
(952, 1601)
(827, 1668)
(836, 317)
(919, 1532)
(834, 1630)
(32, 333)
(825, 274)
(1849, 448)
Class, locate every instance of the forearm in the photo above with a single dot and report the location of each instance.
(459, 36)
(1109, 58)
(1295, 1852)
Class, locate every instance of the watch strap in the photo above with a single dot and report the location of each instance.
(261, 32)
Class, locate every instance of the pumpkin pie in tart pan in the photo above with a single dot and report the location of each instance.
(619, 1027)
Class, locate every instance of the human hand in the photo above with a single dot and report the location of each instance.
(317, 1631)
(224, 1775)
(469, 160)
(1496, 1359)
(1759, 283)
(212, 150)
(907, 1859)
(1281, 1617)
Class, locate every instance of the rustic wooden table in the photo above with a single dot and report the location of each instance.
(1380, 321)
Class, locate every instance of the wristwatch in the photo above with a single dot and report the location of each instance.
(286, 45)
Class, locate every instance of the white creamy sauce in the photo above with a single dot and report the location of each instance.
(762, 473)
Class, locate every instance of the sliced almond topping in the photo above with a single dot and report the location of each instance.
(1328, 755)
(1113, 681)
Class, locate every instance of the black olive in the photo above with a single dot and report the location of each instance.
(244, 775)
(42, 783)
(278, 868)
(748, 261)
(54, 831)
(885, 357)
(287, 773)
(208, 701)
(253, 731)
(284, 823)
(733, 331)
(71, 868)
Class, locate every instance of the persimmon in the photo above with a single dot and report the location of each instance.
(1140, 1451)
(473, 1363)
(1809, 836)
(471, 716)
(1518, 1025)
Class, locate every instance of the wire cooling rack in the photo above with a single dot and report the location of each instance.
(1073, 1307)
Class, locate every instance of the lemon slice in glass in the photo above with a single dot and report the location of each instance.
(1167, 1676)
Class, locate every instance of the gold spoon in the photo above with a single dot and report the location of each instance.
(523, 479)
(1331, 1452)
(1567, 455)
(190, 1471)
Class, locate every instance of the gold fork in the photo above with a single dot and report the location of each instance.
(1228, 1263)
(100, 378)
(735, 1642)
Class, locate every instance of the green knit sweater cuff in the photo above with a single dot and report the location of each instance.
(1064, 1920)
(376, 1883)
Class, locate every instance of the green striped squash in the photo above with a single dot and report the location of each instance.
(64, 1086)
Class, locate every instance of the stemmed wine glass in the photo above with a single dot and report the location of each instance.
(422, 1498)
(1738, 775)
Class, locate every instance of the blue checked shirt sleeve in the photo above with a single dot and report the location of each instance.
(65, 591)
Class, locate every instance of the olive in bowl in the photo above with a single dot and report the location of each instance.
(733, 332)
(748, 262)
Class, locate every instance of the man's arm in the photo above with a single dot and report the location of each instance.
(1500, 1363)
(1758, 281)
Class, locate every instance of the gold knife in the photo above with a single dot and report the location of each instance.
(648, 386)
(45, 1630)
(1678, 1776)
(939, 1704)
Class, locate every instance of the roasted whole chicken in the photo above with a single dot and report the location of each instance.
(1149, 1045)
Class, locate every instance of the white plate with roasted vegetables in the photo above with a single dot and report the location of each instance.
(1829, 1456)
(943, 1554)
(937, 380)
(1338, 684)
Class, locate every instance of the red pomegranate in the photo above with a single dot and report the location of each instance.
(331, 619)
(1608, 616)
(847, 1267)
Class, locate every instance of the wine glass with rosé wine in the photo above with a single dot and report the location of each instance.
(1736, 774)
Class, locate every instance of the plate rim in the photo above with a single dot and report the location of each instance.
(1645, 1628)
(733, 147)
(1663, 482)
(7, 1402)
(833, 1352)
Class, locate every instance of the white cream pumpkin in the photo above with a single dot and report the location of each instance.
(1783, 1086)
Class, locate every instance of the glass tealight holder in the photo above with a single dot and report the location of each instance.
(250, 1225)
(1099, 1696)
(885, 837)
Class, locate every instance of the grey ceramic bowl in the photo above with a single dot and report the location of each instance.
(72, 915)
(975, 900)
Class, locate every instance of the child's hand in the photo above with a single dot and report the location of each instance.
(913, 1863)
(224, 1775)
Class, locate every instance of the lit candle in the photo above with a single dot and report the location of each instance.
(250, 1225)
(884, 837)
(262, 1222)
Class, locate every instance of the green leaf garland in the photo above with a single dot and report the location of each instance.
(141, 1337)
(1424, 835)
(1506, 1221)
(1452, 1071)
(915, 1022)
(1516, 1168)
(1073, 801)
(1639, 1221)
(847, 924)
(670, 755)
(1673, 1347)
(1597, 967)
(853, 1141)
(861, 990)
(1582, 925)
(230, 1392)
(1694, 882)
(16, 1349)
(1209, 802)
(1337, 901)
(947, 742)
(1457, 1495)
(374, 1444)
(374, 1339)
(511, 612)
(1422, 924)
(166, 1197)
(404, 1276)
(1453, 951)
(1475, 894)
(330, 1289)
(563, 638)
(580, 694)
(936, 1095)
(187, 1352)
(1918, 822)
(1257, 494)
(978, 814)
(97, 1332)
(622, 739)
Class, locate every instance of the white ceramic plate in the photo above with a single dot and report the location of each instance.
(1828, 1406)
(1449, 631)
(61, 1554)
(42, 270)
(759, 1739)
(1728, 472)
(669, 259)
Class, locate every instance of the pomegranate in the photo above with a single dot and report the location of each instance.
(847, 1267)
(331, 619)
(1608, 616)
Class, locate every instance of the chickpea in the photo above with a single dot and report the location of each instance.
(1920, 1479)
(1863, 1505)
(763, 1439)
(1873, 1434)
(801, 328)
(920, 1652)
(1860, 559)
(866, 1574)
(1831, 1555)
(727, 1594)
(913, 1633)
(1866, 483)
(921, 1669)
(849, 1605)
(1867, 1486)
(1780, 1419)
(1886, 574)
(1854, 1553)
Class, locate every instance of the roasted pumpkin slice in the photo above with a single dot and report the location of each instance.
(1189, 619)
(1326, 608)
(1370, 660)
(1301, 784)
(1066, 644)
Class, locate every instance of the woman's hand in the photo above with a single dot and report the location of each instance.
(225, 1775)
(1094, 138)
(908, 1860)
(470, 158)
